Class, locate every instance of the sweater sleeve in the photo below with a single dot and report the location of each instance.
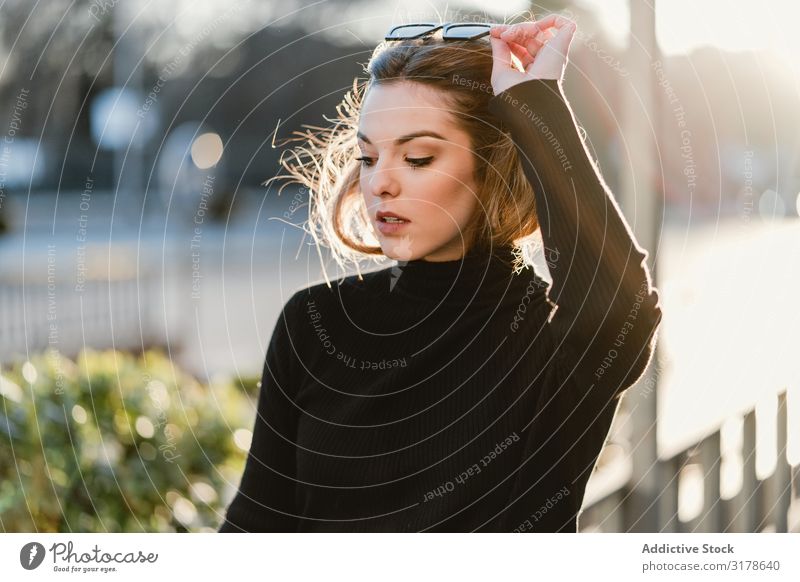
(607, 309)
(265, 501)
(602, 331)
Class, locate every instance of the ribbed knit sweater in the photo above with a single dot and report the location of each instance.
(459, 396)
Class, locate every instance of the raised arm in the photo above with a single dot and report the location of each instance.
(265, 501)
(607, 309)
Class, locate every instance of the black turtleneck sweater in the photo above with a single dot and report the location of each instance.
(459, 396)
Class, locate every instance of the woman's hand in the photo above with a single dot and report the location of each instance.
(541, 47)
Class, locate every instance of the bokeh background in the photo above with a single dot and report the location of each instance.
(143, 262)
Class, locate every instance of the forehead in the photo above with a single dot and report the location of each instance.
(403, 107)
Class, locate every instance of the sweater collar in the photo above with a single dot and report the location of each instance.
(482, 273)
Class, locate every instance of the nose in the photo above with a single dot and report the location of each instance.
(383, 181)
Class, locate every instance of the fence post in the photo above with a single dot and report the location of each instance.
(686, 459)
(782, 478)
(710, 520)
(669, 472)
(741, 514)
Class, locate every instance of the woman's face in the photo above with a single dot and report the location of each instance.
(417, 163)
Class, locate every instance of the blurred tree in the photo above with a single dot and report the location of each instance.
(117, 443)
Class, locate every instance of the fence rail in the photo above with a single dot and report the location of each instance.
(690, 499)
(112, 306)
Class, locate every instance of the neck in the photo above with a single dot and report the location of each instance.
(479, 275)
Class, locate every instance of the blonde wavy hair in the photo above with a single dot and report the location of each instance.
(325, 162)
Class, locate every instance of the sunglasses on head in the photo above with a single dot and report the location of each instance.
(450, 30)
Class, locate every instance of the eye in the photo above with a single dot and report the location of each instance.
(413, 162)
(365, 161)
(419, 162)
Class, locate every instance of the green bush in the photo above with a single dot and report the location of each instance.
(119, 443)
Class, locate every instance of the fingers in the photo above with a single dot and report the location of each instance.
(529, 43)
(540, 46)
(495, 30)
(525, 32)
(561, 41)
(552, 21)
(525, 39)
(501, 53)
(522, 53)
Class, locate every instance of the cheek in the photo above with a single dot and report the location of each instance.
(454, 198)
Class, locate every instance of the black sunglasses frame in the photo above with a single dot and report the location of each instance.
(446, 35)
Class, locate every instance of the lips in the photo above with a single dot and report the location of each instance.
(390, 227)
(381, 215)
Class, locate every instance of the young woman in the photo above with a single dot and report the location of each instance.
(456, 391)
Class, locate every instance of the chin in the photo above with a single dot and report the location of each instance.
(401, 248)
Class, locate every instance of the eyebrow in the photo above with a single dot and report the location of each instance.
(407, 138)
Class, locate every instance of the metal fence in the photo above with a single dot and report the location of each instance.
(116, 306)
(760, 505)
